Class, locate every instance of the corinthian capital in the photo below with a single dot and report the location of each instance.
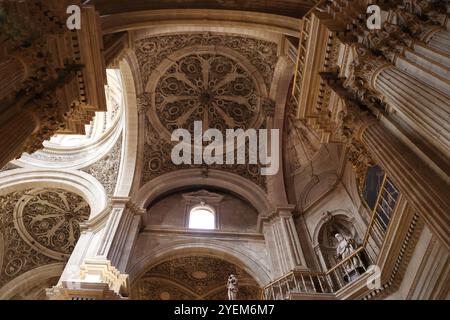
(365, 67)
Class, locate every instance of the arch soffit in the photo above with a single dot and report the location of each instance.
(28, 279)
(213, 249)
(193, 20)
(77, 182)
(216, 178)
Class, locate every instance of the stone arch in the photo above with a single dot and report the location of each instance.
(30, 278)
(105, 131)
(130, 135)
(242, 258)
(254, 194)
(193, 20)
(77, 182)
(279, 93)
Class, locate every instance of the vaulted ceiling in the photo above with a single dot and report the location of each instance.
(194, 277)
(291, 8)
(222, 80)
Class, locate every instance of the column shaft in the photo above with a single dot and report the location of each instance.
(13, 74)
(421, 106)
(14, 134)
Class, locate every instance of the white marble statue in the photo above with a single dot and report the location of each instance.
(344, 249)
(232, 287)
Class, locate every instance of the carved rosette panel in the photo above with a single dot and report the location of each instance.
(18, 256)
(201, 85)
(49, 220)
(38, 227)
(194, 277)
(209, 87)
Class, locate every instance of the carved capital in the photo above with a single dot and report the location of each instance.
(416, 20)
(364, 69)
(360, 159)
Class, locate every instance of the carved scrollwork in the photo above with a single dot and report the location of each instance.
(202, 85)
(208, 87)
(152, 51)
(106, 170)
(157, 161)
(197, 277)
(268, 105)
(49, 220)
(39, 227)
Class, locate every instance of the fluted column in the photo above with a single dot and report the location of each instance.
(14, 134)
(423, 107)
(440, 40)
(424, 185)
(123, 224)
(425, 189)
(13, 74)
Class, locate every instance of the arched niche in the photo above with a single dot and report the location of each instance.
(324, 240)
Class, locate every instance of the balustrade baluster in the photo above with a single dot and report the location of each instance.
(304, 284)
(313, 285)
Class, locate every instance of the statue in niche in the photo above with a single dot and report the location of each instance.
(344, 249)
(232, 287)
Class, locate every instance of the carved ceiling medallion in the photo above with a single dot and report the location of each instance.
(208, 87)
(221, 80)
(49, 220)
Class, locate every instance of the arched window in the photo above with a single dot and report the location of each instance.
(202, 217)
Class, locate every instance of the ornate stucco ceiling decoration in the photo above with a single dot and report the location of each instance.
(106, 170)
(40, 226)
(292, 8)
(193, 277)
(209, 87)
(221, 80)
(151, 51)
